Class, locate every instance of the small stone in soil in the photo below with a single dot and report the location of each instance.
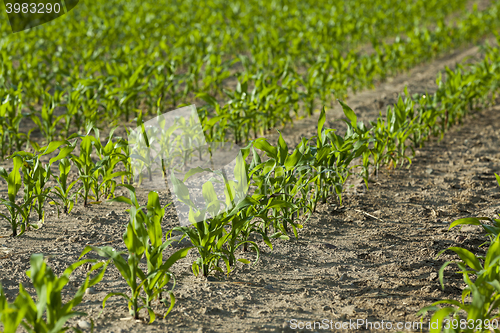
(90, 291)
(111, 213)
(83, 324)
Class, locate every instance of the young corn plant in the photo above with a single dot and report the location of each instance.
(109, 156)
(11, 316)
(484, 293)
(207, 236)
(382, 149)
(142, 157)
(401, 119)
(356, 140)
(10, 120)
(48, 313)
(14, 182)
(166, 144)
(47, 122)
(208, 232)
(274, 177)
(252, 212)
(143, 238)
(87, 168)
(123, 147)
(37, 175)
(157, 273)
(73, 114)
(333, 156)
(243, 214)
(63, 190)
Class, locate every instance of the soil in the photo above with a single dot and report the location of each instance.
(372, 259)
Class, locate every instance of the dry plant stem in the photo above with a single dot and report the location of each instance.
(360, 211)
(11, 254)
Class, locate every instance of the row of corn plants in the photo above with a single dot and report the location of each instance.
(100, 164)
(30, 177)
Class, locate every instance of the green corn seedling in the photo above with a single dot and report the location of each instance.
(47, 122)
(274, 176)
(87, 168)
(109, 157)
(62, 189)
(14, 185)
(37, 175)
(484, 293)
(48, 313)
(142, 157)
(10, 117)
(208, 234)
(143, 237)
(73, 113)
